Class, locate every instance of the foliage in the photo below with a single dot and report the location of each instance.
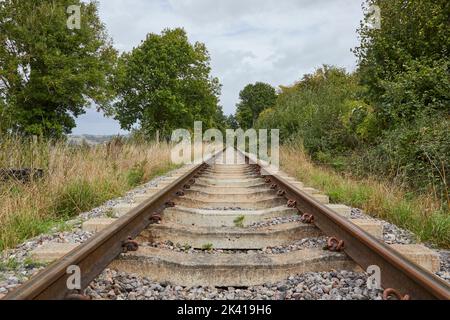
(165, 83)
(48, 73)
(254, 99)
(414, 154)
(315, 109)
(391, 117)
(419, 213)
(404, 65)
(231, 122)
(76, 179)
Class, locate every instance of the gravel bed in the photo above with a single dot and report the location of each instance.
(307, 243)
(336, 285)
(227, 209)
(444, 273)
(391, 233)
(16, 267)
(276, 221)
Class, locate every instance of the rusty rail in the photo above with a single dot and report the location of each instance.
(93, 256)
(397, 272)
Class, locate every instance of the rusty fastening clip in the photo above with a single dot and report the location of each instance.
(77, 295)
(267, 180)
(281, 193)
(130, 245)
(273, 186)
(169, 204)
(334, 244)
(155, 218)
(292, 203)
(186, 187)
(388, 293)
(308, 218)
(192, 181)
(180, 193)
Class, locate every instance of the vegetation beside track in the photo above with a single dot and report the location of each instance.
(76, 179)
(421, 214)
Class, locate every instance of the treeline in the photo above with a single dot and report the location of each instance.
(50, 74)
(389, 118)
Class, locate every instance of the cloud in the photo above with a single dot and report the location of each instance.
(249, 40)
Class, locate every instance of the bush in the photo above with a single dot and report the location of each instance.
(414, 154)
(314, 108)
(421, 214)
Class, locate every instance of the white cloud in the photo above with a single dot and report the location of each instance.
(249, 40)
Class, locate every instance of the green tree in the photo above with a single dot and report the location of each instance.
(220, 119)
(49, 73)
(254, 99)
(165, 83)
(314, 110)
(404, 64)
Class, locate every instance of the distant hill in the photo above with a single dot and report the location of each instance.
(90, 139)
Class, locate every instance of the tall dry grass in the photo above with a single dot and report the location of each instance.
(421, 214)
(77, 178)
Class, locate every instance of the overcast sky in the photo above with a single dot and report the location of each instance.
(274, 41)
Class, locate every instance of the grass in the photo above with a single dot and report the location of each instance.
(9, 265)
(239, 222)
(208, 247)
(421, 214)
(77, 179)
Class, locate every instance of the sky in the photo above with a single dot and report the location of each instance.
(273, 41)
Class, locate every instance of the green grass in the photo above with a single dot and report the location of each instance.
(208, 247)
(77, 197)
(239, 222)
(433, 227)
(186, 247)
(24, 226)
(422, 215)
(9, 265)
(110, 213)
(135, 175)
(29, 263)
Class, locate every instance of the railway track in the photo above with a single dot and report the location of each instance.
(218, 213)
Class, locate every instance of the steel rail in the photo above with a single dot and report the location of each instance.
(397, 272)
(93, 256)
(97, 253)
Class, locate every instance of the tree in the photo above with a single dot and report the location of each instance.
(232, 122)
(49, 73)
(254, 99)
(165, 84)
(404, 65)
